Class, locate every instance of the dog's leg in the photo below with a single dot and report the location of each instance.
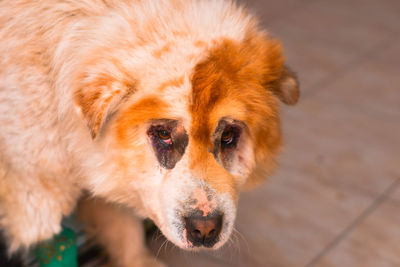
(118, 230)
(31, 208)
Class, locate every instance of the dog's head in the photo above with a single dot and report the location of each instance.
(183, 125)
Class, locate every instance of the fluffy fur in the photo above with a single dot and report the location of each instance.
(84, 84)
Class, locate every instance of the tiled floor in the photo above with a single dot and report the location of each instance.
(335, 200)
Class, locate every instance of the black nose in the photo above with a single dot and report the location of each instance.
(203, 231)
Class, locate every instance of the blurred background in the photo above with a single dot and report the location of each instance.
(335, 199)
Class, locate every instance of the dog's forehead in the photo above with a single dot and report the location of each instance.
(200, 81)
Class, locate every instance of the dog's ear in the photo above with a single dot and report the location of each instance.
(286, 88)
(278, 77)
(99, 97)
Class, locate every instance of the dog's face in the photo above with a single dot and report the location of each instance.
(187, 129)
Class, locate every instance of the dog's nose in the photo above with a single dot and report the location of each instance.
(203, 231)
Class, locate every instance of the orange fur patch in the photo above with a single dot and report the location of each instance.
(160, 52)
(146, 109)
(235, 72)
(200, 44)
(171, 83)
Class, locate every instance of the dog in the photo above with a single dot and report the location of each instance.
(160, 109)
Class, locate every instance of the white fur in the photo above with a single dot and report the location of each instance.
(47, 155)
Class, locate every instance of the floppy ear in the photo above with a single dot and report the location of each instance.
(286, 88)
(99, 98)
(278, 77)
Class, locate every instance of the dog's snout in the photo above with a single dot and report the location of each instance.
(203, 231)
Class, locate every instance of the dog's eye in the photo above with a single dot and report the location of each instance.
(229, 137)
(164, 136)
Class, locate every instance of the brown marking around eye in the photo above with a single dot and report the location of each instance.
(168, 154)
(224, 154)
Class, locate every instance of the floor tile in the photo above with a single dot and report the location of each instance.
(322, 40)
(347, 26)
(370, 87)
(381, 16)
(396, 195)
(341, 146)
(375, 241)
(348, 127)
(314, 60)
(269, 11)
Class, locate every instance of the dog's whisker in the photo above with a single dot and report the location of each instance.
(233, 242)
(166, 247)
(159, 249)
(240, 235)
(158, 235)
